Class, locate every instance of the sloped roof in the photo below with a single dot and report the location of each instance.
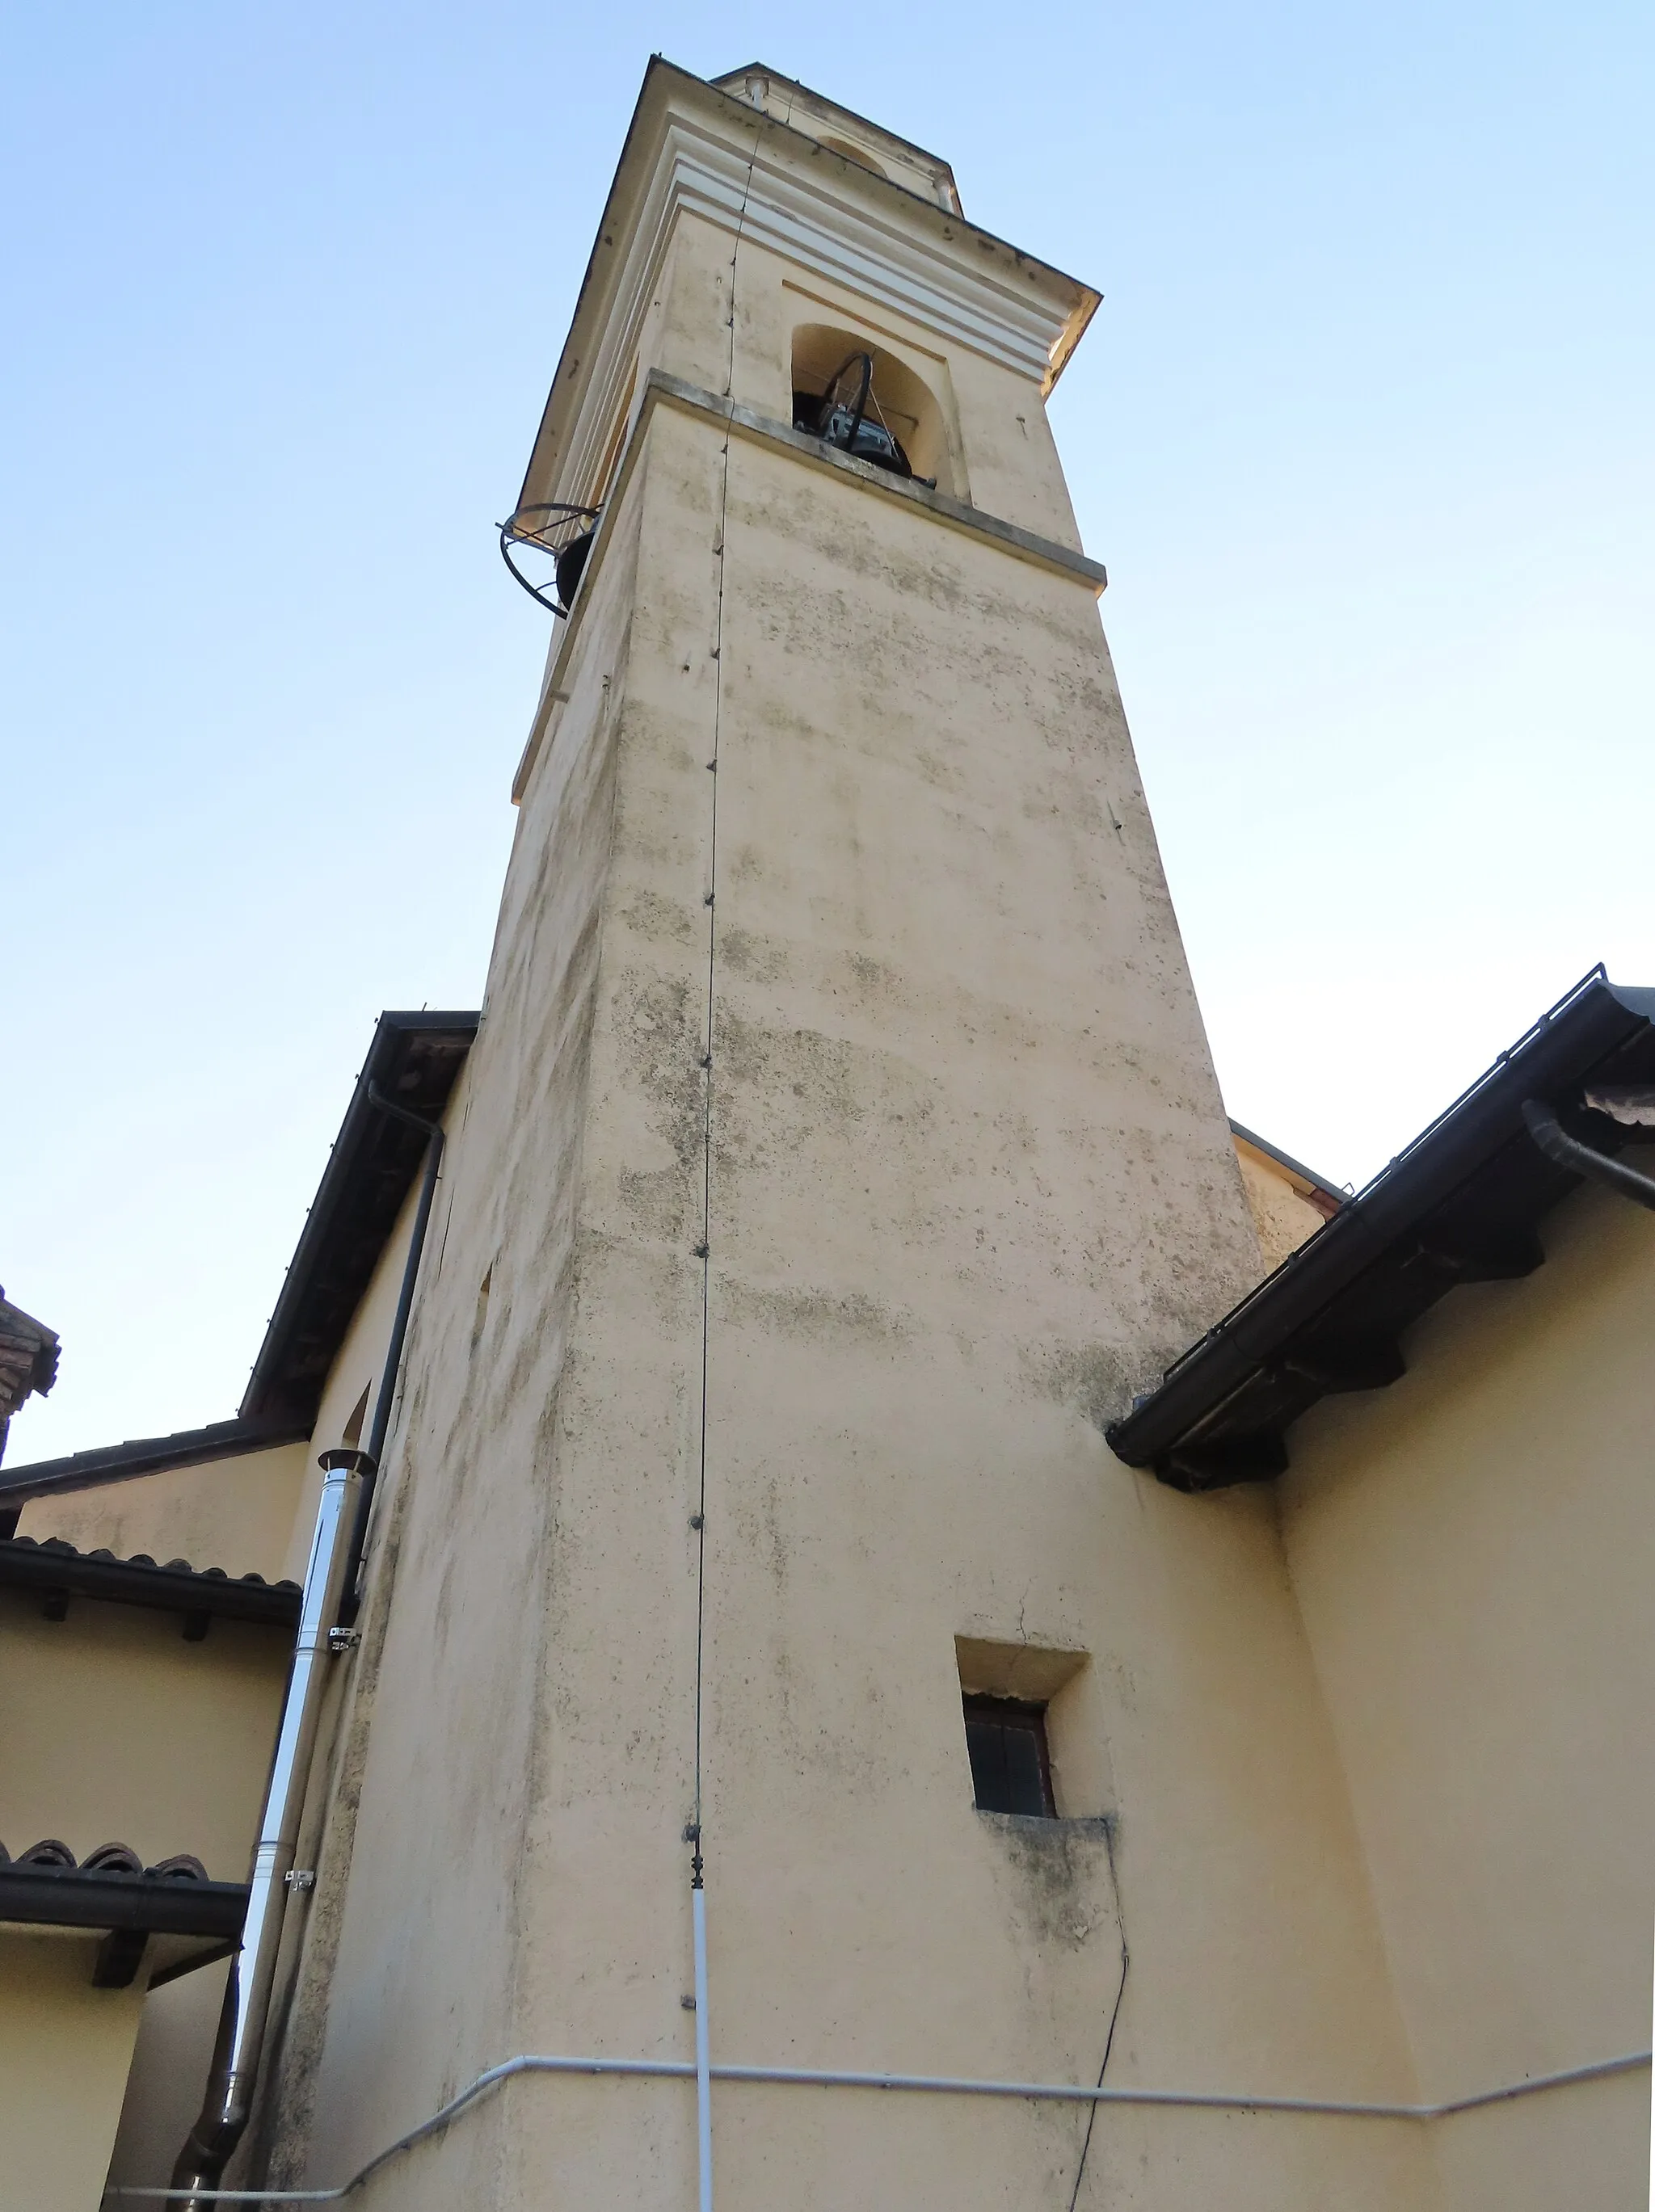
(1462, 1204)
(200, 1594)
(166, 1918)
(413, 1061)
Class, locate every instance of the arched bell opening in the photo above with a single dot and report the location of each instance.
(854, 395)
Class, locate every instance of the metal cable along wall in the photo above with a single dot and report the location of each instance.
(693, 1832)
(932, 2084)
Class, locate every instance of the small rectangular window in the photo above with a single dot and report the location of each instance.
(1011, 1771)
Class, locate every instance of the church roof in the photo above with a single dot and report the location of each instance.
(102, 1463)
(413, 1061)
(59, 1571)
(1462, 1204)
(159, 1916)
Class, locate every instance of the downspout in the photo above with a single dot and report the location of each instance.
(229, 2102)
(388, 1393)
(330, 1603)
(1567, 1152)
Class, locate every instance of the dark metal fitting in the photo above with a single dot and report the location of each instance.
(698, 1520)
(353, 1462)
(706, 1060)
(377, 1097)
(708, 900)
(688, 2003)
(691, 1832)
(701, 1251)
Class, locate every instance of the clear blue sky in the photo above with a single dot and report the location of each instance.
(1362, 431)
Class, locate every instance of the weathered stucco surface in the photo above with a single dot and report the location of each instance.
(238, 1513)
(1473, 1550)
(113, 1728)
(1283, 1217)
(839, 1149)
(171, 1740)
(969, 1180)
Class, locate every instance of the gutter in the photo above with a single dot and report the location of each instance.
(1590, 1023)
(1566, 1152)
(61, 1572)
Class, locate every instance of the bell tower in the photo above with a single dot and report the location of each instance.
(839, 1149)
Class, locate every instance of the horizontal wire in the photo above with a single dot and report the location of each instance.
(946, 2085)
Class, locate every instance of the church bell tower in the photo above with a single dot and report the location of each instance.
(757, 1625)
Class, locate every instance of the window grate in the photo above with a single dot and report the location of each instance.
(1011, 1770)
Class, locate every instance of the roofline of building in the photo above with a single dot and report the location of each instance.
(70, 1897)
(413, 1060)
(1332, 1191)
(1380, 1226)
(89, 1470)
(726, 78)
(280, 1389)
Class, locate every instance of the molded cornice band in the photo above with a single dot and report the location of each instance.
(662, 390)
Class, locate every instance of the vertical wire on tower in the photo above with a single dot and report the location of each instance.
(698, 1902)
(708, 1034)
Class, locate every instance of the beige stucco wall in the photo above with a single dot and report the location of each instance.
(356, 1370)
(113, 1729)
(1473, 1550)
(237, 1514)
(1363, 1775)
(174, 2045)
(169, 2076)
(970, 1180)
(1281, 1214)
(1003, 457)
(65, 2051)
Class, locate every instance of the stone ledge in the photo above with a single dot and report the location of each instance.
(661, 389)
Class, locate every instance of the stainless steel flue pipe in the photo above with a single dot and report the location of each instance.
(241, 2024)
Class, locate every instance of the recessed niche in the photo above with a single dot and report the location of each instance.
(1049, 1696)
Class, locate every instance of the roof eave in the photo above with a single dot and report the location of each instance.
(277, 1392)
(1591, 1021)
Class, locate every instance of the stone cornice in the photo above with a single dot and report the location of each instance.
(694, 148)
